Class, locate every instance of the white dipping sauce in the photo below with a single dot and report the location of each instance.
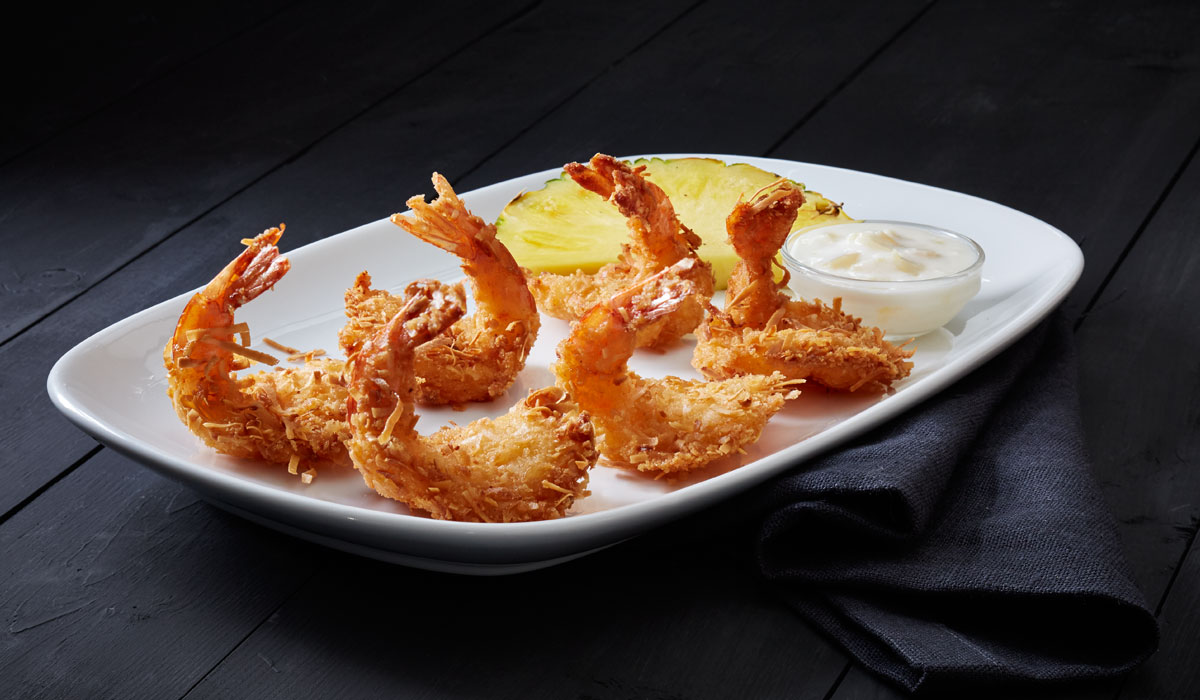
(886, 252)
(905, 278)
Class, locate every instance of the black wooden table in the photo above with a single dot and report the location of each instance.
(137, 140)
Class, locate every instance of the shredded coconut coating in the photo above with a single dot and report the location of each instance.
(657, 241)
(294, 416)
(529, 464)
(812, 341)
(310, 401)
(663, 425)
(245, 417)
(479, 357)
(762, 331)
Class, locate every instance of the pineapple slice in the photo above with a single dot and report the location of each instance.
(563, 227)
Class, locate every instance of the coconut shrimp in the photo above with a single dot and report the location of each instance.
(367, 310)
(529, 464)
(762, 330)
(658, 241)
(665, 425)
(295, 416)
(479, 357)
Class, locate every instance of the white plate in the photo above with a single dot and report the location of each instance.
(113, 384)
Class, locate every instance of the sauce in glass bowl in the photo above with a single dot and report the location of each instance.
(905, 278)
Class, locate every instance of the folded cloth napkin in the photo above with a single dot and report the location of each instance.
(965, 541)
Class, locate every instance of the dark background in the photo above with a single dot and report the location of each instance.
(135, 138)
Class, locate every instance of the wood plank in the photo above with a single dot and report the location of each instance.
(291, 234)
(1175, 671)
(678, 613)
(1141, 384)
(1146, 135)
(680, 94)
(351, 177)
(426, 137)
(365, 181)
(29, 418)
(70, 70)
(108, 190)
(1077, 113)
(1136, 349)
(133, 590)
(621, 651)
(1087, 136)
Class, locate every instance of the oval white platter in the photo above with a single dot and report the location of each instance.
(113, 385)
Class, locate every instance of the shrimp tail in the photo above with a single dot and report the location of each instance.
(757, 228)
(209, 312)
(439, 307)
(477, 359)
(447, 223)
(387, 355)
(597, 176)
(369, 309)
(656, 296)
(529, 464)
(251, 273)
(258, 268)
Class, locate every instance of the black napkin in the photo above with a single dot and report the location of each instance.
(965, 542)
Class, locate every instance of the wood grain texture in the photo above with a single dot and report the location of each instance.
(1141, 397)
(1140, 389)
(178, 265)
(957, 120)
(193, 257)
(725, 79)
(368, 174)
(1174, 673)
(120, 183)
(363, 172)
(1077, 112)
(69, 65)
(115, 582)
(134, 599)
(678, 613)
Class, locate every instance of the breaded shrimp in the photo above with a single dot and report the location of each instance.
(530, 464)
(295, 416)
(367, 310)
(658, 241)
(246, 417)
(665, 425)
(478, 358)
(762, 331)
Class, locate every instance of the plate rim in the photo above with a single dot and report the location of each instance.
(510, 542)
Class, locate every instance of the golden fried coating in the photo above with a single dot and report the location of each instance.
(480, 356)
(665, 425)
(243, 417)
(761, 331)
(295, 416)
(310, 401)
(367, 310)
(658, 241)
(530, 464)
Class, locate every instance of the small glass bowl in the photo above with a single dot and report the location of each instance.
(903, 308)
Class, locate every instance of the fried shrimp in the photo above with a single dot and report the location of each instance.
(367, 310)
(295, 416)
(479, 357)
(658, 241)
(665, 425)
(762, 331)
(529, 464)
(279, 417)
